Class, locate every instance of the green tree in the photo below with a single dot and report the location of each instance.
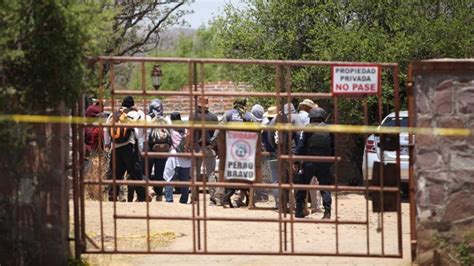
(372, 31)
(369, 31)
(202, 44)
(43, 47)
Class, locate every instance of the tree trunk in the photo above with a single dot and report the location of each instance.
(34, 213)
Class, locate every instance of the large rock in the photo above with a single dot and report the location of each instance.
(425, 258)
(443, 98)
(462, 161)
(437, 194)
(460, 206)
(466, 100)
(429, 141)
(460, 180)
(422, 103)
(429, 160)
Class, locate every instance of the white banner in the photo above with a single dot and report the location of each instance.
(355, 79)
(240, 155)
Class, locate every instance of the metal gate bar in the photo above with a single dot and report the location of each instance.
(196, 217)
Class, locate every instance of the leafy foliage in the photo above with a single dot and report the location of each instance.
(366, 31)
(43, 52)
(43, 49)
(372, 31)
(202, 44)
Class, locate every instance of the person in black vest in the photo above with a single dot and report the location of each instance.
(316, 144)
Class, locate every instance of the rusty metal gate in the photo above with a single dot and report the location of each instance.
(380, 222)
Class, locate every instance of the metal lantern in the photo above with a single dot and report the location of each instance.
(156, 76)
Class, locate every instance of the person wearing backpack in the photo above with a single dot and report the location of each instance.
(178, 168)
(158, 140)
(125, 144)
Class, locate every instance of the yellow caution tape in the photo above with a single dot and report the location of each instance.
(339, 128)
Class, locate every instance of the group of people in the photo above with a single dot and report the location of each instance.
(125, 145)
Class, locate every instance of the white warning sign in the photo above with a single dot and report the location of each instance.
(352, 79)
(240, 155)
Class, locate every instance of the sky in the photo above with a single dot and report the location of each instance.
(204, 10)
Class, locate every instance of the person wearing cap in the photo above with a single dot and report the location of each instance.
(238, 113)
(303, 109)
(202, 143)
(256, 113)
(126, 154)
(92, 134)
(281, 139)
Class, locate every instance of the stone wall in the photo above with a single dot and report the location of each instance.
(444, 165)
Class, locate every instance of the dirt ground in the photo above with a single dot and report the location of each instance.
(173, 235)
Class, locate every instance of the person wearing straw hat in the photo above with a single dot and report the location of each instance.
(286, 141)
(271, 159)
(303, 110)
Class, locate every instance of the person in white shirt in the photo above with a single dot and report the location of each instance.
(178, 168)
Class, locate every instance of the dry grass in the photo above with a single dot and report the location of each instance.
(137, 242)
(97, 169)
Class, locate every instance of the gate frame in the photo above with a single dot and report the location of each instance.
(78, 155)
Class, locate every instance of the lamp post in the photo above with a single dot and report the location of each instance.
(156, 75)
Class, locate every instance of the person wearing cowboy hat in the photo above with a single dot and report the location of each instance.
(271, 159)
(303, 110)
(287, 141)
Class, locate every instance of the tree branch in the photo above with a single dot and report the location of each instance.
(150, 33)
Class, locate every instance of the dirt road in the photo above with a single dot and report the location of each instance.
(172, 235)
